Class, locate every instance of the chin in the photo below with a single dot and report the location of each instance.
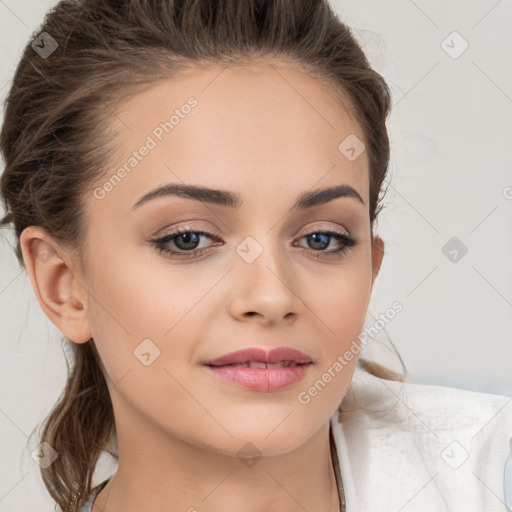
(260, 440)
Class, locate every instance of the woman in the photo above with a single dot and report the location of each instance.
(194, 186)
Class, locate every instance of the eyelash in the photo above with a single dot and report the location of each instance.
(161, 244)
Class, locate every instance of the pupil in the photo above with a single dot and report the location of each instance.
(186, 237)
(324, 243)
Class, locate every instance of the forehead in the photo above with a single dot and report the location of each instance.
(251, 127)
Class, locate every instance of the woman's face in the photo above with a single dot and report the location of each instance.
(264, 136)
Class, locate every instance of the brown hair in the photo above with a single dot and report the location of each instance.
(56, 143)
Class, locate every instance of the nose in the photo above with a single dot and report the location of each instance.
(265, 290)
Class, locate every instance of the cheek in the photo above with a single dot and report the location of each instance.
(133, 301)
(339, 308)
(123, 311)
(341, 301)
(135, 297)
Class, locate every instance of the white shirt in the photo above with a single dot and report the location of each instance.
(406, 447)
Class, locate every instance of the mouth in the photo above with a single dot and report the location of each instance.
(259, 364)
(260, 376)
(280, 357)
(259, 370)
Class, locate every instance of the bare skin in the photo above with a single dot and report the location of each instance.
(269, 134)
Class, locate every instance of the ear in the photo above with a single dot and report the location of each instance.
(61, 296)
(377, 256)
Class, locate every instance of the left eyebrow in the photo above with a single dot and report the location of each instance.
(233, 200)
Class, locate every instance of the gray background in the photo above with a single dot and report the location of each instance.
(450, 176)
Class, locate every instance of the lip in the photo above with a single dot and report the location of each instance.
(276, 355)
(261, 379)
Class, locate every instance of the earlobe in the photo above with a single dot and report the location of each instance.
(61, 296)
(377, 255)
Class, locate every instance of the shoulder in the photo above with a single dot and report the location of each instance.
(451, 444)
(444, 408)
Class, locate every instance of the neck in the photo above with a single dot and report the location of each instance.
(156, 469)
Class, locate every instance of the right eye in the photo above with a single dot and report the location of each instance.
(188, 239)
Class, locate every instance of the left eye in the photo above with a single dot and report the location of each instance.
(187, 241)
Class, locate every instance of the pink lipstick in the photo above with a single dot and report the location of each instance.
(258, 370)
